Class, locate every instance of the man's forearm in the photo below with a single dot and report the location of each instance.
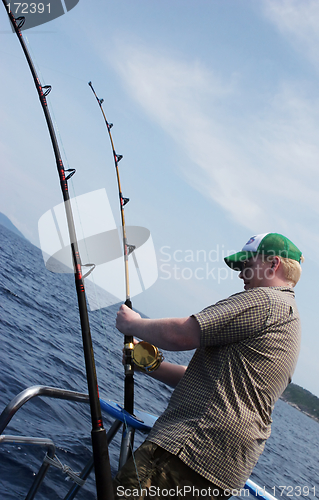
(169, 373)
(172, 334)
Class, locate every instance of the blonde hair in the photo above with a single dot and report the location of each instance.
(292, 269)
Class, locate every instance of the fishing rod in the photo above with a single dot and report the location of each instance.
(127, 249)
(99, 441)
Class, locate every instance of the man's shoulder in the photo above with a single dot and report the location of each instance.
(262, 295)
(264, 291)
(257, 292)
(243, 299)
(278, 292)
(257, 297)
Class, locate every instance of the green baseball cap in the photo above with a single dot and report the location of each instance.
(264, 244)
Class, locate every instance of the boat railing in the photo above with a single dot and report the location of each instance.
(43, 442)
(50, 458)
(34, 391)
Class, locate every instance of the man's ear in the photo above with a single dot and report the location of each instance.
(275, 263)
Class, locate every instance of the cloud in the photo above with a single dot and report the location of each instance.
(298, 21)
(264, 165)
(176, 96)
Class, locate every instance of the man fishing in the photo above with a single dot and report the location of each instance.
(208, 440)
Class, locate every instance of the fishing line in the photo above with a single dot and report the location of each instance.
(51, 108)
(76, 207)
(72, 185)
(66, 162)
(132, 453)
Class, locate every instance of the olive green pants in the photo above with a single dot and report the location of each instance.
(156, 474)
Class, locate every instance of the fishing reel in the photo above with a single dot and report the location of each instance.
(145, 356)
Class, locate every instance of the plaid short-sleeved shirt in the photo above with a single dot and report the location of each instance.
(219, 415)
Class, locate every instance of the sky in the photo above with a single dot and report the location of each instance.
(215, 106)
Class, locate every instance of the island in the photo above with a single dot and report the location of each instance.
(303, 400)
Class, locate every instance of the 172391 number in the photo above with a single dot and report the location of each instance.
(29, 8)
(294, 491)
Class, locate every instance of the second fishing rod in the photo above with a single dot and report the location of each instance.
(128, 434)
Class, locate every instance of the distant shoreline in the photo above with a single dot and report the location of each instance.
(302, 400)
